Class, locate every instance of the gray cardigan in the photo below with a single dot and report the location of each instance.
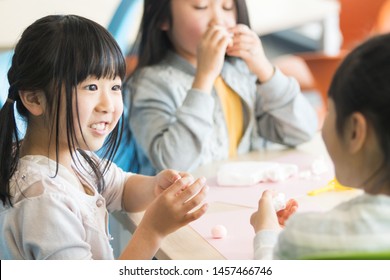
(182, 128)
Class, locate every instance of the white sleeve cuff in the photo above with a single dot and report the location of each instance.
(264, 243)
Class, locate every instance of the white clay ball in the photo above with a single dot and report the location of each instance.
(279, 201)
(218, 232)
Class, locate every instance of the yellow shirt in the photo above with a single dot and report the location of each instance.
(232, 108)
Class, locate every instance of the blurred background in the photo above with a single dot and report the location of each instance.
(306, 39)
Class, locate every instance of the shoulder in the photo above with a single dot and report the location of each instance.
(171, 71)
(38, 177)
(34, 176)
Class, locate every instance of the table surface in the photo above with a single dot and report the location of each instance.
(191, 242)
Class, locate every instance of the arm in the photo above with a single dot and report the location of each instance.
(175, 207)
(283, 114)
(169, 122)
(267, 224)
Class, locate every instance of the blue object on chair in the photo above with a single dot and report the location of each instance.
(122, 23)
(121, 27)
(126, 156)
(5, 64)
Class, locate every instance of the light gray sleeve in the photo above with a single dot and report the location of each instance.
(264, 243)
(169, 121)
(282, 112)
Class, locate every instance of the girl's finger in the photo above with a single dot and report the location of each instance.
(240, 29)
(196, 200)
(179, 186)
(192, 190)
(192, 216)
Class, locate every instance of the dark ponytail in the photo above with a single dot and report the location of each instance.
(9, 144)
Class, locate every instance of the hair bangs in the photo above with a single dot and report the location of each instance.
(102, 60)
(96, 52)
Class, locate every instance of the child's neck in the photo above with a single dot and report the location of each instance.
(34, 144)
(377, 186)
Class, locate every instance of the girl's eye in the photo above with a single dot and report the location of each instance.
(228, 5)
(117, 87)
(199, 7)
(91, 87)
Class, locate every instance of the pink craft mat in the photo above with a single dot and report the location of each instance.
(238, 243)
(293, 187)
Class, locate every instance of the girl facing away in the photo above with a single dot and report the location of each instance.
(356, 133)
(65, 80)
(204, 89)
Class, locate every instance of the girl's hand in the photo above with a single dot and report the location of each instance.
(167, 177)
(177, 206)
(247, 46)
(210, 57)
(266, 218)
(284, 214)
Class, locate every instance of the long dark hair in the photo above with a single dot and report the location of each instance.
(54, 55)
(362, 84)
(152, 43)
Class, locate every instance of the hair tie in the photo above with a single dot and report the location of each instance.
(11, 94)
(9, 100)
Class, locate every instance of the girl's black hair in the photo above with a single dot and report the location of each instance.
(152, 43)
(54, 55)
(362, 84)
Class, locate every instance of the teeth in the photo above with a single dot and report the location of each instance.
(98, 126)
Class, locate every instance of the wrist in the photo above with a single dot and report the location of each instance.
(203, 82)
(142, 246)
(265, 73)
(149, 233)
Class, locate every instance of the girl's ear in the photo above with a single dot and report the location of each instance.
(356, 132)
(34, 101)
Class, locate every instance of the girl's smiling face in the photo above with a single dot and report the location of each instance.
(99, 106)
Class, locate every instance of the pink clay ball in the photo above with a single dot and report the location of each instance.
(218, 232)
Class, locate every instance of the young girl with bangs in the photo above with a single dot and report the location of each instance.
(66, 81)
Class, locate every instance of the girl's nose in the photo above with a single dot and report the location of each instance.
(216, 18)
(105, 103)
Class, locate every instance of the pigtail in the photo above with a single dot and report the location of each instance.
(9, 145)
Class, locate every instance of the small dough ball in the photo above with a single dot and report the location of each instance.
(279, 202)
(218, 232)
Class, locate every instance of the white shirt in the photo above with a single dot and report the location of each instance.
(53, 218)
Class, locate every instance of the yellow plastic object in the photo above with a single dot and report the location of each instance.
(333, 185)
